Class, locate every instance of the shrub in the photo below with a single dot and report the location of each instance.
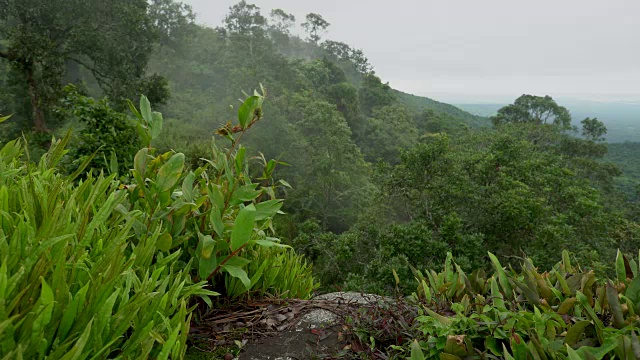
(96, 267)
(216, 213)
(566, 313)
(73, 282)
(108, 137)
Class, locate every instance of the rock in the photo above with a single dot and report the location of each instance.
(315, 333)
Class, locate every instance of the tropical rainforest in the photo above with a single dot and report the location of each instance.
(152, 168)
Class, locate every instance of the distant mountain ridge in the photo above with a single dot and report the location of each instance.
(621, 118)
(420, 103)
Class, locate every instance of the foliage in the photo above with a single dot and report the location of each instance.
(314, 26)
(277, 272)
(534, 110)
(452, 114)
(74, 281)
(593, 129)
(215, 213)
(108, 138)
(113, 41)
(331, 172)
(566, 313)
(520, 189)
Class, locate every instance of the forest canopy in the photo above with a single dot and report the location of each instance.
(321, 160)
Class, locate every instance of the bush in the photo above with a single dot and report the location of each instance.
(566, 313)
(96, 267)
(108, 137)
(216, 213)
(72, 281)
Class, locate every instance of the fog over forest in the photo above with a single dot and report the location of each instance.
(440, 180)
(491, 51)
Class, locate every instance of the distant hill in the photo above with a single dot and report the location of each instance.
(419, 103)
(485, 110)
(621, 118)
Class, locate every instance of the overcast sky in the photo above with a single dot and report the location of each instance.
(482, 50)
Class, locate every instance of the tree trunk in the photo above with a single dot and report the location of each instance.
(39, 121)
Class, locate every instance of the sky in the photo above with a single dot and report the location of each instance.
(475, 51)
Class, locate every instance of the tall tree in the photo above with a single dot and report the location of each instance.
(593, 129)
(314, 26)
(282, 21)
(247, 21)
(331, 174)
(171, 19)
(356, 57)
(38, 38)
(534, 109)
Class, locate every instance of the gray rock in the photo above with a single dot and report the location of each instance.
(315, 333)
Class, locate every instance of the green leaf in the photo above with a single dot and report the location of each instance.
(573, 355)
(243, 227)
(239, 161)
(170, 172)
(614, 306)
(416, 351)
(140, 162)
(215, 195)
(244, 193)
(575, 332)
(69, 316)
(270, 243)
(208, 244)
(441, 319)
(187, 186)
(238, 273)
(599, 352)
(164, 242)
(215, 218)
(507, 355)
(633, 291)
(5, 118)
(156, 125)
(502, 276)
(566, 261)
(76, 351)
(206, 265)
(134, 110)
(621, 272)
(145, 109)
(248, 110)
(143, 133)
(113, 163)
(267, 209)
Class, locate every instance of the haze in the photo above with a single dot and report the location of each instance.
(482, 51)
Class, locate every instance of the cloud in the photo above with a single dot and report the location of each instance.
(482, 47)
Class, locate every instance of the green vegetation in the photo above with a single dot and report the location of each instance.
(137, 222)
(565, 313)
(74, 281)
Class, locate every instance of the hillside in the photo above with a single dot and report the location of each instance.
(420, 103)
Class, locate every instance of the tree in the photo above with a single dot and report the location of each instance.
(112, 39)
(389, 129)
(519, 196)
(593, 129)
(330, 181)
(342, 51)
(314, 26)
(534, 109)
(282, 21)
(246, 21)
(374, 93)
(171, 19)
